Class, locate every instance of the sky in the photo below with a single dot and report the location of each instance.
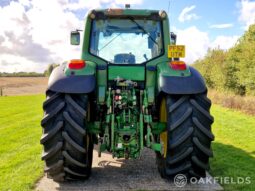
(35, 33)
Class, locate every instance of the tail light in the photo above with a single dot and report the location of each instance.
(76, 64)
(178, 65)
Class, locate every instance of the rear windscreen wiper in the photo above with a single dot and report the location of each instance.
(140, 27)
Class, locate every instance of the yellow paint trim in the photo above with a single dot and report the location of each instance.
(163, 118)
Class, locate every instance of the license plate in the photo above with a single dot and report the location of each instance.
(176, 51)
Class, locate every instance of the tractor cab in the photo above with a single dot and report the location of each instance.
(125, 41)
(135, 40)
(125, 36)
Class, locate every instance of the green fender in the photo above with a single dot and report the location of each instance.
(187, 81)
(65, 80)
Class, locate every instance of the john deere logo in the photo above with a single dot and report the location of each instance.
(180, 180)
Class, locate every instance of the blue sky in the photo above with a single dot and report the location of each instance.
(34, 33)
(209, 12)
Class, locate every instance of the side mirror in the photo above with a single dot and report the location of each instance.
(173, 38)
(75, 38)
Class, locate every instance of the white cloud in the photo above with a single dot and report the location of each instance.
(132, 2)
(247, 12)
(186, 14)
(224, 42)
(196, 42)
(15, 63)
(81, 4)
(24, 2)
(51, 26)
(222, 26)
(36, 33)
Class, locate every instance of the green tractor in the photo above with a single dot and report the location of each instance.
(128, 91)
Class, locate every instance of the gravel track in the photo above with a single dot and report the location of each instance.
(121, 174)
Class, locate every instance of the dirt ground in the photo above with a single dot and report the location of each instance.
(23, 85)
(121, 174)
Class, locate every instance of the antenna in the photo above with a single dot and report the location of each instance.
(168, 9)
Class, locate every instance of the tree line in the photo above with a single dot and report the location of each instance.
(231, 70)
(21, 74)
(46, 73)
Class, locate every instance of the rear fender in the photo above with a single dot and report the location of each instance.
(190, 84)
(65, 81)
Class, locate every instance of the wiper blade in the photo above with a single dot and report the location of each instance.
(109, 42)
(140, 27)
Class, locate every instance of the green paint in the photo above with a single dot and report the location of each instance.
(94, 127)
(148, 136)
(150, 78)
(112, 132)
(102, 77)
(151, 94)
(109, 102)
(145, 99)
(89, 69)
(158, 127)
(101, 94)
(165, 70)
(156, 147)
(141, 131)
(127, 126)
(126, 72)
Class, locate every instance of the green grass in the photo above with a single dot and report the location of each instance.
(234, 147)
(20, 151)
(20, 131)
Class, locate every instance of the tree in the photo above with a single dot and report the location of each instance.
(50, 68)
(232, 70)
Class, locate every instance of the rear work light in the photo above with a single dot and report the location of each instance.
(76, 64)
(178, 65)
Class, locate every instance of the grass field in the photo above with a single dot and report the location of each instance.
(20, 131)
(20, 151)
(234, 147)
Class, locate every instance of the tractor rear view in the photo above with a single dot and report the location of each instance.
(128, 91)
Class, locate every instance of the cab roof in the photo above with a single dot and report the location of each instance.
(118, 12)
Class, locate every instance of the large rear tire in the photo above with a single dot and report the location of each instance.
(68, 147)
(189, 136)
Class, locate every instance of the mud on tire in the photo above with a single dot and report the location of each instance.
(189, 136)
(67, 145)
